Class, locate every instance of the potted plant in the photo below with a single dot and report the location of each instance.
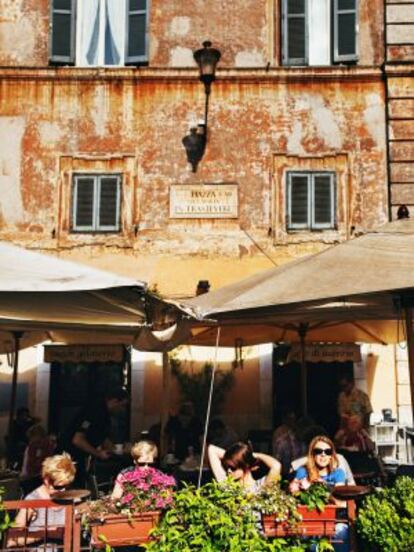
(386, 519)
(306, 513)
(218, 517)
(147, 492)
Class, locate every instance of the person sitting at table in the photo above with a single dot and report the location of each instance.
(322, 466)
(58, 472)
(353, 436)
(240, 462)
(40, 447)
(144, 455)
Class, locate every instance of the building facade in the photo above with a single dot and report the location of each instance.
(97, 96)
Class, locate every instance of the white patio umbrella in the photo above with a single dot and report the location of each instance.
(44, 298)
(359, 290)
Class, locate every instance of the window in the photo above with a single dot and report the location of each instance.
(310, 200)
(96, 203)
(99, 32)
(319, 32)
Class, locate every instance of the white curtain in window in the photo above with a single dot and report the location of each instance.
(115, 25)
(88, 30)
(319, 32)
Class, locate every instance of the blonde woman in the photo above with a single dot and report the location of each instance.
(144, 454)
(58, 472)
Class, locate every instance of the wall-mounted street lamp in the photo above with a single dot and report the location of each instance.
(195, 142)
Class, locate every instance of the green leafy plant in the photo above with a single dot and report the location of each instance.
(386, 519)
(316, 497)
(273, 500)
(195, 386)
(5, 521)
(215, 518)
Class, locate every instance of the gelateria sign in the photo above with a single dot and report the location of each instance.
(204, 201)
(326, 352)
(84, 353)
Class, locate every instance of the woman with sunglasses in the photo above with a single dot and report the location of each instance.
(239, 462)
(58, 472)
(322, 466)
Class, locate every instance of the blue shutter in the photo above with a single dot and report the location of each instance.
(323, 201)
(294, 32)
(136, 50)
(345, 26)
(298, 201)
(62, 32)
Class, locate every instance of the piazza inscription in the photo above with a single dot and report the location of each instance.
(204, 201)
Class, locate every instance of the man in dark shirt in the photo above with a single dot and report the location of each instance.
(88, 434)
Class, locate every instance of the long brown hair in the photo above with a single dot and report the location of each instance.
(239, 456)
(313, 470)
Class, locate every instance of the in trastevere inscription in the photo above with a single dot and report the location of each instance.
(204, 201)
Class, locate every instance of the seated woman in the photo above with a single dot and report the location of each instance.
(239, 462)
(322, 466)
(144, 454)
(354, 437)
(58, 472)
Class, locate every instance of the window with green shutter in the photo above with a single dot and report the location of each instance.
(96, 202)
(319, 32)
(311, 200)
(95, 33)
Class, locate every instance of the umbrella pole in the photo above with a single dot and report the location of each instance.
(210, 399)
(408, 313)
(166, 384)
(12, 410)
(303, 369)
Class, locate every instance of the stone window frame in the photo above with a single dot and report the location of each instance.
(339, 163)
(124, 165)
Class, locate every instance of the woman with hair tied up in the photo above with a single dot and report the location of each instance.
(322, 466)
(239, 462)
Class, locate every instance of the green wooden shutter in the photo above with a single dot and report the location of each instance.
(83, 203)
(62, 32)
(345, 27)
(298, 201)
(109, 203)
(294, 32)
(323, 201)
(137, 32)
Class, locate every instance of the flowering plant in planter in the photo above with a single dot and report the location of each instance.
(146, 489)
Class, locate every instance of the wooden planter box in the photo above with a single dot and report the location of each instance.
(313, 524)
(121, 530)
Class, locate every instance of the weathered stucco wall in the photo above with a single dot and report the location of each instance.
(247, 32)
(54, 123)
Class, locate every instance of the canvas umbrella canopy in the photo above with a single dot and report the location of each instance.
(44, 298)
(359, 290)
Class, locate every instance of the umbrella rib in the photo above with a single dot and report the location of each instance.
(360, 327)
(115, 303)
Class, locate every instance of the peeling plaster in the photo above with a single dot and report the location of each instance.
(11, 134)
(294, 144)
(180, 26)
(99, 112)
(181, 57)
(374, 118)
(49, 133)
(323, 118)
(249, 59)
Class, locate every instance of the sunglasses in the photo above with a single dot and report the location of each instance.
(327, 451)
(59, 487)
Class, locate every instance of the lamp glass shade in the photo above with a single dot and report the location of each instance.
(207, 59)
